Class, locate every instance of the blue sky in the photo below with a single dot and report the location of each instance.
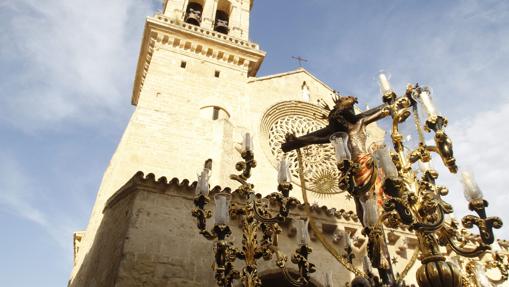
(66, 76)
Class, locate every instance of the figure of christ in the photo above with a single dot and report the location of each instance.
(342, 118)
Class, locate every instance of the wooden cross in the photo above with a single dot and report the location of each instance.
(299, 59)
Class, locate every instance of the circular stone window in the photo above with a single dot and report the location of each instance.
(300, 118)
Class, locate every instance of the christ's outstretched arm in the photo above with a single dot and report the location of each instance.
(374, 114)
(320, 136)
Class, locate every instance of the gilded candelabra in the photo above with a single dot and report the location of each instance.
(407, 199)
(417, 202)
(256, 220)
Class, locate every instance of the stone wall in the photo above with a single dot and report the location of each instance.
(149, 238)
(101, 264)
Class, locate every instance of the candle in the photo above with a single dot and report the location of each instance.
(495, 247)
(470, 188)
(384, 161)
(340, 142)
(385, 86)
(248, 143)
(424, 166)
(482, 279)
(426, 102)
(348, 242)
(283, 174)
(366, 265)
(302, 232)
(202, 185)
(370, 217)
(222, 215)
(328, 279)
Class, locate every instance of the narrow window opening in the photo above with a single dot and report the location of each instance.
(193, 13)
(222, 18)
(215, 113)
(183, 64)
(306, 95)
(221, 23)
(217, 73)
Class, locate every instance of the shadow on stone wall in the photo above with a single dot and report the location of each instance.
(147, 237)
(101, 264)
(275, 278)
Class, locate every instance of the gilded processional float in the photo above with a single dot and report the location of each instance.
(387, 191)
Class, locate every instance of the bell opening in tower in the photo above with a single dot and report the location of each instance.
(222, 19)
(193, 13)
(221, 24)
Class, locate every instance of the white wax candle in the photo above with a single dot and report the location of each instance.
(495, 247)
(370, 212)
(202, 186)
(424, 166)
(348, 242)
(221, 212)
(470, 188)
(340, 142)
(385, 162)
(283, 175)
(302, 232)
(248, 142)
(328, 279)
(366, 264)
(425, 97)
(384, 83)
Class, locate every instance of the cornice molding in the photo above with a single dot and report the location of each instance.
(330, 220)
(327, 217)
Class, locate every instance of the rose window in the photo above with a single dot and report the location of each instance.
(300, 118)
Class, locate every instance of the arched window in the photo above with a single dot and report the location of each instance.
(214, 113)
(193, 12)
(306, 95)
(222, 20)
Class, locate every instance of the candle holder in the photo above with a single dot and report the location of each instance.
(408, 200)
(348, 255)
(256, 219)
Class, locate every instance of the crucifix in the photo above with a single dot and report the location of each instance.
(342, 118)
(299, 59)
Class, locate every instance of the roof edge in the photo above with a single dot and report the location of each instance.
(296, 71)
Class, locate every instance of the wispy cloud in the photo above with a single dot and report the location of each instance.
(461, 48)
(20, 197)
(481, 147)
(66, 60)
(62, 63)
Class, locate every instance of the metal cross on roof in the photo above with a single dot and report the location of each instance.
(299, 59)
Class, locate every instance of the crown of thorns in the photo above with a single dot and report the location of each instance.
(337, 98)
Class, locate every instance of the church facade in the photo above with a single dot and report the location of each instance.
(196, 93)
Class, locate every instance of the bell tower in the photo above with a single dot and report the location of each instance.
(224, 16)
(190, 96)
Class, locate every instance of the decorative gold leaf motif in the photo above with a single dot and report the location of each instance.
(324, 183)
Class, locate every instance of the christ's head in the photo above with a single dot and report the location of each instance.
(345, 103)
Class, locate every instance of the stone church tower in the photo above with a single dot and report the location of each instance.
(196, 92)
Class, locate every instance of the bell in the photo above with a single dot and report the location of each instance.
(221, 24)
(193, 14)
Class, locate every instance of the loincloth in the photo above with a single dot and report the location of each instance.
(367, 179)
